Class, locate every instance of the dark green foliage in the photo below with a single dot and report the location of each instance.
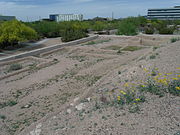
(127, 28)
(12, 32)
(153, 88)
(130, 26)
(152, 56)
(175, 39)
(8, 103)
(72, 33)
(156, 89)
(14, 67)
(46, 29)
(149, 30)
(172, 87)
(3, 117)
(166, 30)
(163, 27)
(11, 103)
(129, 97)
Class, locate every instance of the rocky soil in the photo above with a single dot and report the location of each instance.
(73, 96)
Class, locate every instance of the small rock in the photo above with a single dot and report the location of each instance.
(88, 99)
(71, 104)
(76, 99)
(69, 111)
(26, 106)
(80, 106)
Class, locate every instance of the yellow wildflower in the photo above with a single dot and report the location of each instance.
(156, 78)
(156, 69)
(118, 98)
(178, 75)
(137, 99)
(175, 78)
(164, 76)
(124, 93)
(163, 81)
(178, 88)
(143, 86)
(178, 68)
(145, 69)
(168, 73)
(126, 85)
(159, 74)
(134, 103)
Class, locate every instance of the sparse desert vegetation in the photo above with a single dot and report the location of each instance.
(117, 83)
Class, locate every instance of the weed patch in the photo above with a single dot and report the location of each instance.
(113, 47)
(131, 48)
(3, 117)
(97, 42)
(175, 39)
(89, 79)
(14, 67)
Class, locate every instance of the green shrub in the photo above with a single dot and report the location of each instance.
(153, 88)
(12, 32)
(46, 29)
(131, 48)
(14, 67)
(152, 56)
(127, 28)
(172, 87)
(3, 117)
(174, 39)
(149, 31)
(130, 26)
(166, 30)
(71, 33)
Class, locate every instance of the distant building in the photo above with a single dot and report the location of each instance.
(7, 18)
(164, 13)
(66, 17)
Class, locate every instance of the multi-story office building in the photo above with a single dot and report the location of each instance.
(7, 18)
(164, 13)
(66, 17)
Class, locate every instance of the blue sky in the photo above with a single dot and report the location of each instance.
(29, 10)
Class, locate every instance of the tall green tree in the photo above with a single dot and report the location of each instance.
(12, 32)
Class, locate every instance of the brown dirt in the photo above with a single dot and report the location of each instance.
(93, 69)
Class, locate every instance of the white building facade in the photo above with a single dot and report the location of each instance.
(66, 17)
(164, 13)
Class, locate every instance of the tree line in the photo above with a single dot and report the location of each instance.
(13, 32)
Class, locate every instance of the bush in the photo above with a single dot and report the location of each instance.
(12, 32)
(172, 88)
(131, 26)
(175, 39)
(166, 30)
(149, 31)
(14, 67)
(127, 28)
(46, 29)
(71, 33)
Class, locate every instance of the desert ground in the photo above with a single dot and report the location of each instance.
(69, 91)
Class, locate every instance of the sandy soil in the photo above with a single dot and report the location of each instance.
(65, 98)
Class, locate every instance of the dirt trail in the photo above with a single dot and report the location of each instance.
(30, 96)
